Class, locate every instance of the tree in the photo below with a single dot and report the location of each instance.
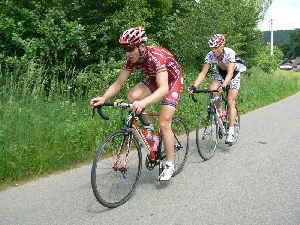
(79, 34)
(237, 20)
(295, 43)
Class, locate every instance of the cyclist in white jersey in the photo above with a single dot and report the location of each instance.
(229, 68)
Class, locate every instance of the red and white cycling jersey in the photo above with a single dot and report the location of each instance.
(155, 60)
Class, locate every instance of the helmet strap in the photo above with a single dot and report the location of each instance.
(141, 52)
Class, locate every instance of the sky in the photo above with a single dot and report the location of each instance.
(285, 15)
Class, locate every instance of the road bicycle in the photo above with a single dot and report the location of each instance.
(117, 164)
(210, 127)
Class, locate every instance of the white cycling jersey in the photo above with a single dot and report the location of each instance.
(229, 56)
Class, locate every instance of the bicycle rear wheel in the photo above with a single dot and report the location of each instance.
(114, 181)
(237, 125)
(206, 134)
(181, 144)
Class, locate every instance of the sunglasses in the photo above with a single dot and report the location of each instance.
(216, 48)
(129, 48)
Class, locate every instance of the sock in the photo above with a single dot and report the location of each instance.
(231, 130)
(169, 163)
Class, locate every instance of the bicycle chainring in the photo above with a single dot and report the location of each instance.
(149, 163)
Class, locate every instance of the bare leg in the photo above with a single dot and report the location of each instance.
(139, 92)
(164, 121)
(232, 95)
(214, 85)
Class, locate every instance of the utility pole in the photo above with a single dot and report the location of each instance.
(271, 53)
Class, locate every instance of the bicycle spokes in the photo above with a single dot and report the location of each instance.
(206, 137)
(181, 136)
(116, 169)
(177, 144)
(206, 134)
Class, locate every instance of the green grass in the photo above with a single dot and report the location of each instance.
(41, 136)
(260, 90)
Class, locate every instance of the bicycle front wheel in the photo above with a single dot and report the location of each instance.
(181, 144)
(206, 134)
(116, 169)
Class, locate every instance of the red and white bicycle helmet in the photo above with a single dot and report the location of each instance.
(217, 40)
(133, 36)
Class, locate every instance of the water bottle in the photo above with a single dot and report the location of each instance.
(148, 136)
(223, 115)
(220, 111)
(155, 142)
(154, 147)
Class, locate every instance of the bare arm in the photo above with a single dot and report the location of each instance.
(161, 91)
(202, 75)
(112, 90)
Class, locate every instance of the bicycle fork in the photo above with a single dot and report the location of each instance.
(123, 169)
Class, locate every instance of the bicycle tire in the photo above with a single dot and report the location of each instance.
(237, 126)
(207, 134)
(110, 186)
(181, 144)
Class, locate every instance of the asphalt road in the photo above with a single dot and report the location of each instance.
(256, 181)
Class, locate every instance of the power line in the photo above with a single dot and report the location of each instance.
(269, 20)
(280, 21)
(285, 21)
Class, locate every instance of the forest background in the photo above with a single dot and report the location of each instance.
(286, 40)
(56, 55)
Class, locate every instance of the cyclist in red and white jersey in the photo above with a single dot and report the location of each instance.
(164, 82)
(229, 68)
